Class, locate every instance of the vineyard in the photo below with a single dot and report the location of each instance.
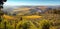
(31, 19)
(30, 22)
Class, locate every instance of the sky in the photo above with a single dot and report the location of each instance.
(32, 2)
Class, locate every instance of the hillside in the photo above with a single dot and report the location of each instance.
(31, 18)
(30, 10)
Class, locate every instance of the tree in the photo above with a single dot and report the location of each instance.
(1, 6)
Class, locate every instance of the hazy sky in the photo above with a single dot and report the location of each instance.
(32, 2)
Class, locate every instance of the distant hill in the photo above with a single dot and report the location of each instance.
(28, 10)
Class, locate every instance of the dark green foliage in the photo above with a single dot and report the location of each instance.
(56, 11)
(0, 19)
(5, 25)
(1, 13)
(46, 26)
(24, 26)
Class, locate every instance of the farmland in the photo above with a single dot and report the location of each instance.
(31, 19)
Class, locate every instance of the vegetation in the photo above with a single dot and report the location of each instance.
(30, 23)
(33, 21)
